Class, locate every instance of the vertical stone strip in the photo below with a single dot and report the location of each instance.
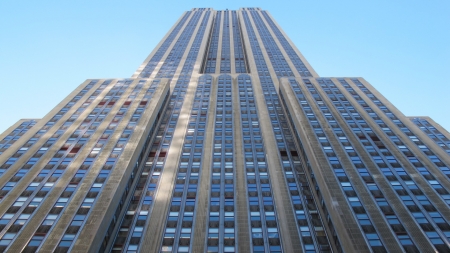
(201, 218)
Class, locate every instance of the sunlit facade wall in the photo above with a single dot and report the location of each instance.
(225, 140)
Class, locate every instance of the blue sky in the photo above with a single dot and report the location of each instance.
(49, 47)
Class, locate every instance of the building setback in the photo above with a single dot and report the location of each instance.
(225, 140)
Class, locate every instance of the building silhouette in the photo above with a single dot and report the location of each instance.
(225, 140)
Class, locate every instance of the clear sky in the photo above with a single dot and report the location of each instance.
(48, 48)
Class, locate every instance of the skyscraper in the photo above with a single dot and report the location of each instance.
(225, 140)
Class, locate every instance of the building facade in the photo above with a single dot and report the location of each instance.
(225, 140)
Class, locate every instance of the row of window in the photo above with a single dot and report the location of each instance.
(225, 57)
(309, 222)
(279, 63)
(298, 63)
(351, 195)
(44, 181)
(58, 158)
(57, 166)
(140, 206)
(225, 65)
(155, 60)
(16, 134)
(180, 219)
(99, 182)
(173, 59)
(439, 138)
(85, 169)
(343, 106)
(47, 127)
(306, 174)
(403, 183)
(408, 155)
(265, 236)
(239, 52)
(210, 64)
(435, 160)
(221, 233)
